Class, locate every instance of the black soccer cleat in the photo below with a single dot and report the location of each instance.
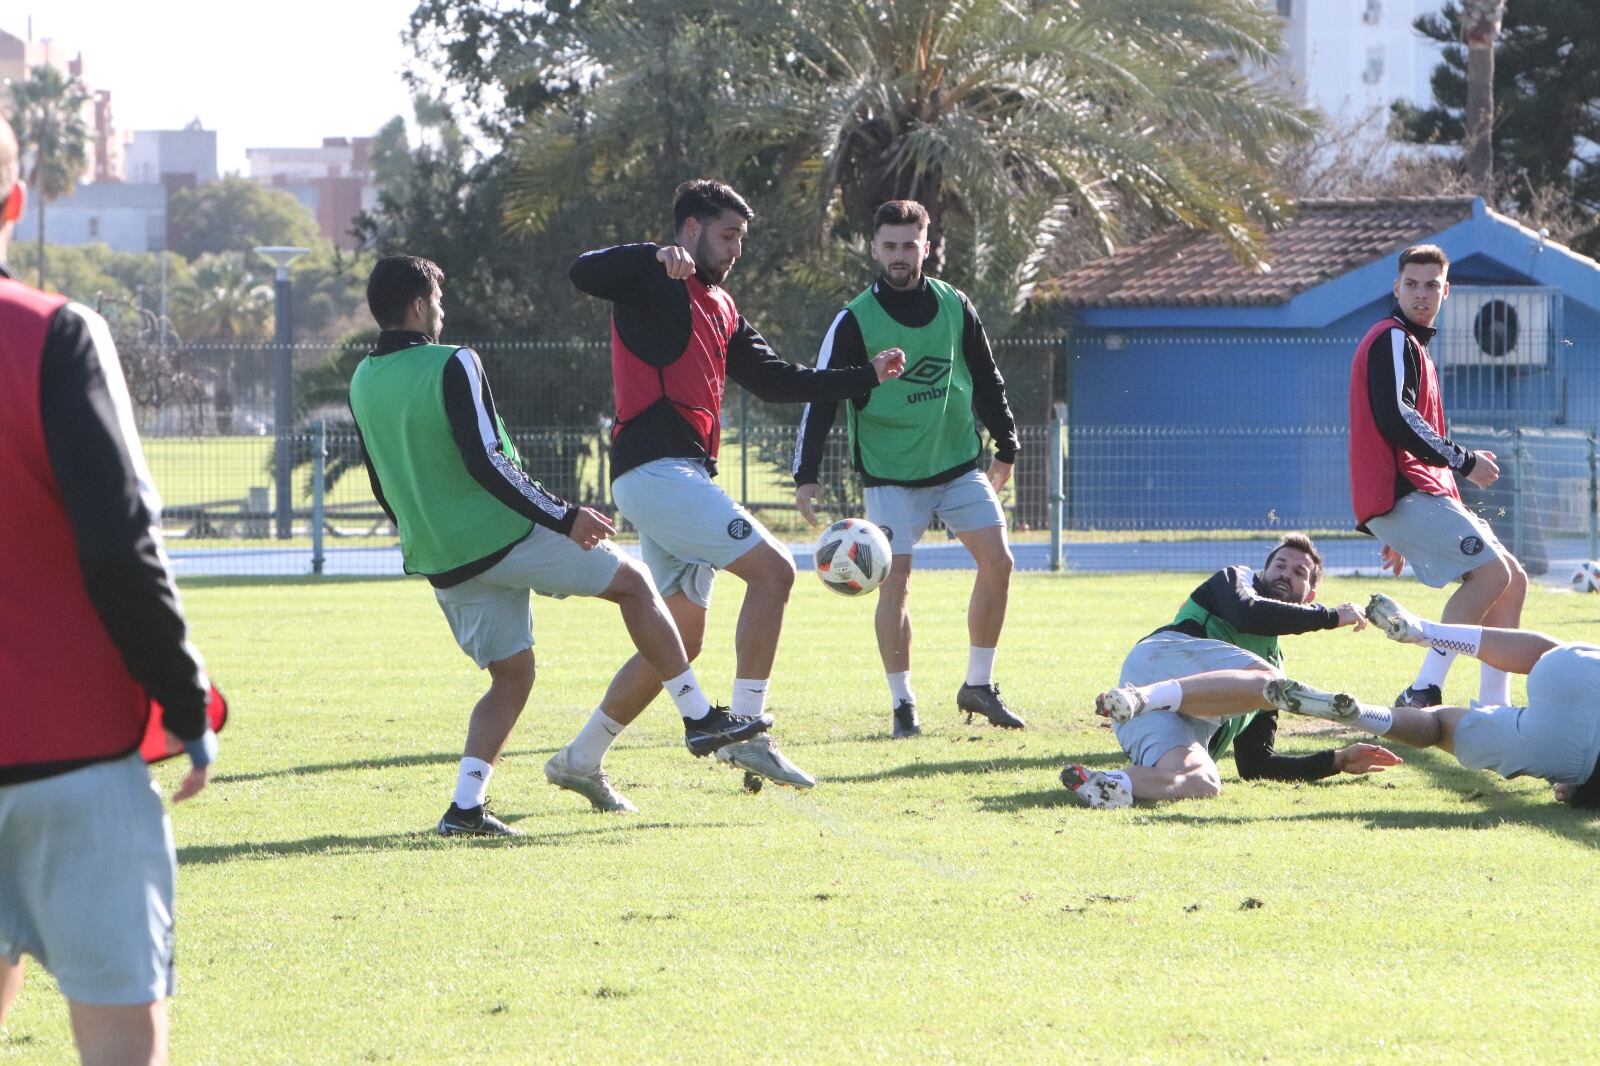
(476, 821)
(721, 727)
(985, 700)
(905, 720)
(1426, 696)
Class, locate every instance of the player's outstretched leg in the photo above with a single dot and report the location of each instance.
(1295, 698)
(1093, 788)
(1396, 622)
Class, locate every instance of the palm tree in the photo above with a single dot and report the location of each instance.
(47, 116)
(1480, 28)
(228, 304)
(1005, 118)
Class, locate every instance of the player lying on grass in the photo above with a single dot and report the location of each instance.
(1556, 736)
(1231, 623)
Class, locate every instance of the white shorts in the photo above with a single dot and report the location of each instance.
(489, 613)
(1439, 537)
(1556, 736)
(904, 513)
(1166, 657)
(87, 870)
(688, 527)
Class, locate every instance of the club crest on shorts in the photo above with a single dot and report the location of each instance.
(1471, 545)
(739, 529)
(888, 534)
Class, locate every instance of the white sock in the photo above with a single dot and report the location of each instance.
(1163, 696)
(1376, 720)
(1121, 776)
(749, 697)
(1435, 668)
(472, 783)
(980, 665)
(685, 692)
(1462, 640)
(900, 687)
(593, 741)
(1494, 686)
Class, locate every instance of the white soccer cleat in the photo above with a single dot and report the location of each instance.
(1120, 704)
(1094, 788)
(760, 758)
(594, 786)
(1396, 622)
(1295, 698)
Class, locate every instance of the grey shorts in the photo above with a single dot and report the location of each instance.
(489, 614)
(1439, 537)
(87, 869)
(1556, 736)
(1166, 657)
(904, 513)
(688, 527)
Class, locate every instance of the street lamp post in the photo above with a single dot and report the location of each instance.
(283, 417)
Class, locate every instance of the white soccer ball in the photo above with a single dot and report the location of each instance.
(852, 556)
(1586, 578)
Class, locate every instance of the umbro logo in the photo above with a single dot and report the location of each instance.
(930, 370)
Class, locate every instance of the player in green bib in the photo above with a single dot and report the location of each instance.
(1227, 629)
(915, 442)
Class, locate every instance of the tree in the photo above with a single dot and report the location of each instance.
(236, 215)
(47, 117)
(1480, 26)
(1547, 108)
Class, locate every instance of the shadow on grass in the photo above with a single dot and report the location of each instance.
(433, 758)
(420, 840)
(1527, 801)
(962, 766)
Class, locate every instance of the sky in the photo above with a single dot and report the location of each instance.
(284, 73)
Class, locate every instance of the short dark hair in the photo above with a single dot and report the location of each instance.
(899, 213)
(1301, 543)
(395, 281)
(1424, 253)
(705, 200)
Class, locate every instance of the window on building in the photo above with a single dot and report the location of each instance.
(1374, 12)
(1286, 8)
(1374, 72)
(94, 226)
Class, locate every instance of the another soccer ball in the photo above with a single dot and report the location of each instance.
(852, 557)
(1586, 578)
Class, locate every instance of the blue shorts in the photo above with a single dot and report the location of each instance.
(904, 513)
(1439, 537)
(1166, 657)
(1556, 736)
(87, 870)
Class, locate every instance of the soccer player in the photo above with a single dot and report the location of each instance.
(917, 448)
(1172, 734)
(676, 337)
(91, 629)
(1555, 737)
(1403, 471)
(485, 534)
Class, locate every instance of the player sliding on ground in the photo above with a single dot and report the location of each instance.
(484, 534)
(917, 448)
(1555, 737)
(1173, 736)
(676, 337)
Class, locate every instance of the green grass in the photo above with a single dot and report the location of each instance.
(936, 900)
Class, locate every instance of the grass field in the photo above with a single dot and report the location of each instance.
(936, 900)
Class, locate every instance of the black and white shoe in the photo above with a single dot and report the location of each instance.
(905, 720)
(985, 700)
(1426, 696)
(476, 821)
(721, 727)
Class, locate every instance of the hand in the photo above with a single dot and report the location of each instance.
(1351, 615)
(193, 783)
(679, 263)
(1364, 759)
(890, 363)
(805, 497)
(998, 474)
(1485, 471)
(590, 528)
(1393, 561)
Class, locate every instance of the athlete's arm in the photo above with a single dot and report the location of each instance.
(372, 473)
(1256, 758)
(105, 487)
(753, 364)
(842, 347)
(474, 423)
(615, 273)
(1231, 595)
(1393, 366)
(988, 387)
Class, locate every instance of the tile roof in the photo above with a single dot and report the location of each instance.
(1325, 238)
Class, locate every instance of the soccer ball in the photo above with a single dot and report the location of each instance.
(1586, 578)
(852, 557)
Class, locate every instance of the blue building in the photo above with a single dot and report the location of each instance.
(1204, 394)
(124, 216)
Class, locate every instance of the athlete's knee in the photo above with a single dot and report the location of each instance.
(513, 672)
(1204, 783)
(774, 572)
(998, 564)
(1494, 575)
